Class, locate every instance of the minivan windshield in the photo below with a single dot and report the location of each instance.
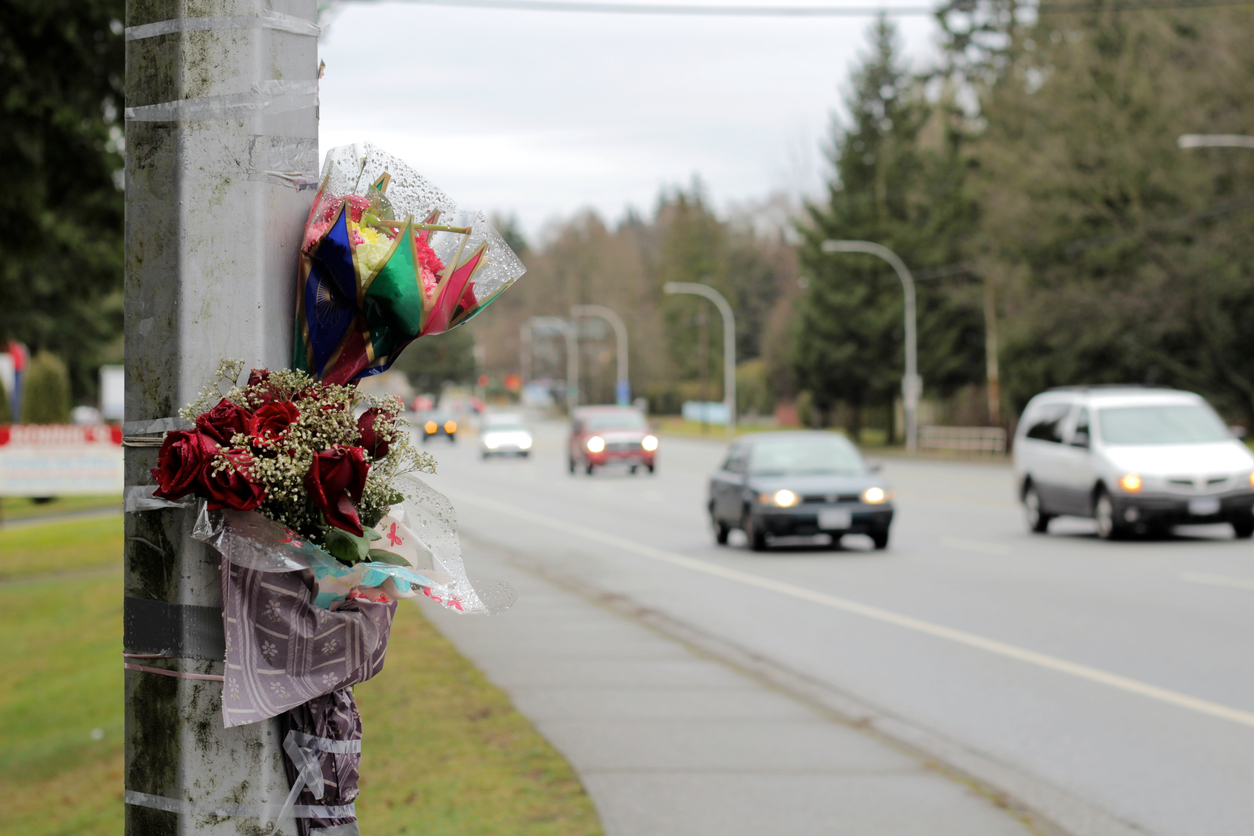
(798, 456)
(627, 419)
(1174, 424)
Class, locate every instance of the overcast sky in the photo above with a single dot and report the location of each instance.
(541, 114)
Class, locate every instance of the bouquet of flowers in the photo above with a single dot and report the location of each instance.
(387, 258)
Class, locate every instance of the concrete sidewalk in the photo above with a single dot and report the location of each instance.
(670, 742)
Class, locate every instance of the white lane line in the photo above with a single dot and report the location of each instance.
(1041, 660)
(1218, 580)
(975, 546)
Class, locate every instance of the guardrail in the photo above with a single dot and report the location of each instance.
(990, 440)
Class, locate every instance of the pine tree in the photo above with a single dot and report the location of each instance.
(46, 391)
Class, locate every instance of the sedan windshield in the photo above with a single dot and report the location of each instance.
(1183, 424)
(793, 456)
(628, 419)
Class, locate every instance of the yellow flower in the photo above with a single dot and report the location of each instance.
(373, 247)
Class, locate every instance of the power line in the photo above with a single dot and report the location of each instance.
(696, 10)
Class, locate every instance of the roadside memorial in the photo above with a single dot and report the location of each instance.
(309, 489)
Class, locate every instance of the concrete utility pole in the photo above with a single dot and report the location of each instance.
(567, 330)
(221, 147)
(729, 342)
(911, 385)
(622, 387)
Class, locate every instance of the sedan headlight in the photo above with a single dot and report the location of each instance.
(430, 427)
(491, 442)
(1130, 482)
(650, 443)
(525, 443)
(596, 444)
(784, 498)
(450, 427)
(875, 496)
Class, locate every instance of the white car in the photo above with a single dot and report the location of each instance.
(1132, 458)
(504, 435)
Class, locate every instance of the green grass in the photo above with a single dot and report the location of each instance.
(22, 507)
(445, 751)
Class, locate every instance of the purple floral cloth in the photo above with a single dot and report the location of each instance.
(282, 651)
(332, 716)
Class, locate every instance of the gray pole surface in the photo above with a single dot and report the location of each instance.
(622, 387)
(572, 354)
(222, 127)
(729, 342)
(911, 386)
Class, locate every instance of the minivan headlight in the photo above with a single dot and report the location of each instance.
(875, 496)
(1130, 482)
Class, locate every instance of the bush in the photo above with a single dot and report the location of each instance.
(805, 408)
(754, 395)
(6, 415)
(46, 391)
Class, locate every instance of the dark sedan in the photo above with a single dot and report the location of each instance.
(798, 483)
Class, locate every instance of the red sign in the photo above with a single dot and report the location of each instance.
(60, 459)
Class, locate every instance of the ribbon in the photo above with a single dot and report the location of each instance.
(300, 747)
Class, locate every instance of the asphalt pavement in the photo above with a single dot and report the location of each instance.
(1106, 687)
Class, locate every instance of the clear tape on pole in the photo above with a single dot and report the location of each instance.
(284, 161)
(157, 425)
(138, 498)
(300, 747)
(267, 20)
(266, 97)
(184, 807)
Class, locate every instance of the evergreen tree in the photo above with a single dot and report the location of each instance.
(46, 391)
(898, 180)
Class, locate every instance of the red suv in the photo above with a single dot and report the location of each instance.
(601, 435)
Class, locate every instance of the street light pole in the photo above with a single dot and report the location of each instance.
(622, 388)
(911, 386)
(572, 354)
(729, 341)
(221, 161)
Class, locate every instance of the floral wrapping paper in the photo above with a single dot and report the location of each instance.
(282, 650)
(332, 716)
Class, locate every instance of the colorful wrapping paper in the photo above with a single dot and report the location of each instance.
(331, 717)
(388, 258)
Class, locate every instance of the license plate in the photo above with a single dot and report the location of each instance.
(1204, 507)
(835, 518)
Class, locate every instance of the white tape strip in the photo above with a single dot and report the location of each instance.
(266, 97)
(189, 808)
(284, 161)
(158, 425)
(140, 498)
(267, 20)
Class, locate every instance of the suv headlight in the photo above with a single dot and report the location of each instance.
(649, 443)
(596, 444)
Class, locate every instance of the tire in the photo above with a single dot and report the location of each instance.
(572, 465)
(757, 538)
(452, 438)
(634, 468)
(587, 468)
(485, 456)
(1038, 520)
(1243, 527)
(1108, 527)
(880, 539)
(650, 468)
(720, 531)
(526, 454)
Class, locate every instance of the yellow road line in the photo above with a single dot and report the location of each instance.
(1009, 651)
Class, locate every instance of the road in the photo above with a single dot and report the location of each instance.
(1090, 679)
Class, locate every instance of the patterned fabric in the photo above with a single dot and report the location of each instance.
(333, 716)
(282, 651)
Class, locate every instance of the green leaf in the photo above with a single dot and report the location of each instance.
(373, 534)
(345, 547)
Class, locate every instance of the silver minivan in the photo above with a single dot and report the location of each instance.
(1134, 459)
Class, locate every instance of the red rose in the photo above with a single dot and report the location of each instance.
(274, 420)
(265, 392)
(335, 480)
(372, 431)
(182, 457)
(231, 486)
(225, 420)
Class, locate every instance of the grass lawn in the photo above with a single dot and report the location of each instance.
(22, 507)
(445, 752)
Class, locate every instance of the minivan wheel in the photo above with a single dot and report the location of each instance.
(1108, 527)
(1038, 520)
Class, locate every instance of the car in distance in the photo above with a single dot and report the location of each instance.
(1132, 458)
(504, 435)
(611, 435)
(798, 483)
(436, 423)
